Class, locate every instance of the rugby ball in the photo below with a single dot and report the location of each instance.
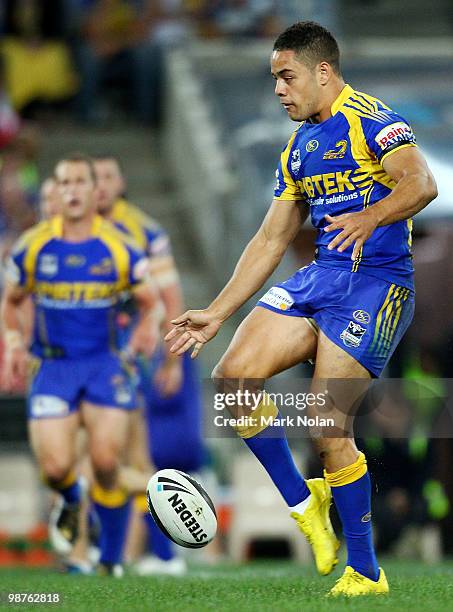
(181, 508)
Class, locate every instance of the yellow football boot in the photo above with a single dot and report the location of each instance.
(316, 526)
(352, 584)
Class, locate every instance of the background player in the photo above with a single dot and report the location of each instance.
(169, 384)
(49, 199)
(75, 266)
(354, 158)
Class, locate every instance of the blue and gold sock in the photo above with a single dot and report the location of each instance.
(69, 488)
(112, 507)
(269, 445)
(351, 491)
(157, 542)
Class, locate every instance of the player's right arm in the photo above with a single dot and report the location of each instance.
(16, 355)
(259, 259)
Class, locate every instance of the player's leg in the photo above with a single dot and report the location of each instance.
(345, 468)
(109, 397)
(352, 344)
(264, 344)
(53, 424)
(175, 440)
(267, 343)
(53, 444)
(107, 429)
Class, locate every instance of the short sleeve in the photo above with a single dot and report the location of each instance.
(158, 241)
(387, 132)
(286, 187)
(139, 266)
(14, 268)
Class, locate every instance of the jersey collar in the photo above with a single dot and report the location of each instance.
(345, 93)
(119, 209)
(56, 225)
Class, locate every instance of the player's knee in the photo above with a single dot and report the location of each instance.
(54, 469)
(105, 468)
(232, 367)
(326, 447)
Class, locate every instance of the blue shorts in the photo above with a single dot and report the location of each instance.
(174, 423)
(59, 385)
(363, 315)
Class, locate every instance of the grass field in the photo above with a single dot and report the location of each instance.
(264, 586)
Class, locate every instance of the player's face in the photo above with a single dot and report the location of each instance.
(50, 200)
(110, 184)
(76, 187)
(296, 85)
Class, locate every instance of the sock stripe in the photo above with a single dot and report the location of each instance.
(110, 498)
(140, 503)
(259, 419)
(68, 481)
(348, 474)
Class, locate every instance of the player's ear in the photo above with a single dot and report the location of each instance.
(324, 72)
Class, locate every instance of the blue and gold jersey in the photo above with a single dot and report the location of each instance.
(146, 232)
(336, 167)
(75, 285)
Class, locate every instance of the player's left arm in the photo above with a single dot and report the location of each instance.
(415, 188)
(145, 337)
(168, 377)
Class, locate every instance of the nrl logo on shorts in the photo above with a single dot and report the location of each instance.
(352, 335)
(362, 316)
(295, 160)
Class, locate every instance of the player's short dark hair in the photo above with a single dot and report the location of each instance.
(312, 42)
(106, 155)
(79, 158)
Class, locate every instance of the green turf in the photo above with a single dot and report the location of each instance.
(267, 586)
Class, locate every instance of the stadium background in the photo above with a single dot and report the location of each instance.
(199, 143)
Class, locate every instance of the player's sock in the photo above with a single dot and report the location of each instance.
(351, 491)
(112, 507)
(69, 488)
(269, 445)
(157, 541)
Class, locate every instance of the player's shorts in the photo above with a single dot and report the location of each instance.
(174, 423)
(59, 385)
(363, 315)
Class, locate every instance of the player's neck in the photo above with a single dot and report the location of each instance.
(108, 213)
(332, 91)
(78, 230)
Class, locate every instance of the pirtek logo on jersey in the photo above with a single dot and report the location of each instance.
(328, 183)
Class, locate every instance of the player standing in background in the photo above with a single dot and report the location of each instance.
(49, 199)
(354, 166)
(75, 266)
(169, 384)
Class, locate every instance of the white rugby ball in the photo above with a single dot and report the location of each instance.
(181, 508)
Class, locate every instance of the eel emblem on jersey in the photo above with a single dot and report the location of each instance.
(339, 152)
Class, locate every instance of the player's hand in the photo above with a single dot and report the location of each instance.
(168, 378)
(145, 339)
(15, 368)
(355, 228)
(193, 329)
